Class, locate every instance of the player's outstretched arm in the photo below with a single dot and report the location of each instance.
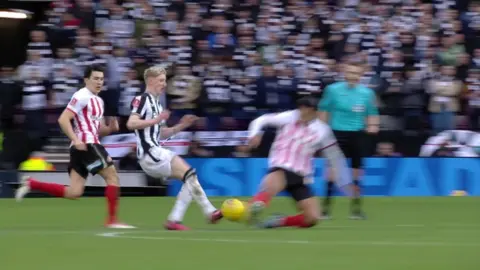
(270, 119)
(185, 122)
(110, 128)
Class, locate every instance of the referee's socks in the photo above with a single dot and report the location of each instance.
(356, 200)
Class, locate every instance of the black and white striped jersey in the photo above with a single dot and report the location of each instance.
(147, 107)
(34, 94)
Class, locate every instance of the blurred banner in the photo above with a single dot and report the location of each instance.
(451, 143)
(242, 177)
(383, 176)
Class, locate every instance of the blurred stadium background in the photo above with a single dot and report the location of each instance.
(230, 61)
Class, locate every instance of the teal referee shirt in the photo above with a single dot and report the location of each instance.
(348, 107)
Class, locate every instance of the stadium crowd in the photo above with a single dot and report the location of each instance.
(229, 61)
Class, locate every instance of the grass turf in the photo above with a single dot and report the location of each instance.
(401, 233)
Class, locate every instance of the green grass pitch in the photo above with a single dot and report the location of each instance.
(438, 233)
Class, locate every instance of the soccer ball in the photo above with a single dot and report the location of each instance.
(233, 209)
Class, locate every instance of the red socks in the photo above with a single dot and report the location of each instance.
(56, 190)
(295, 221)
(111, 193)
(262, 197)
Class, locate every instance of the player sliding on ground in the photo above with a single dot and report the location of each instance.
(87, 155)
(147, 119)
(300, 135)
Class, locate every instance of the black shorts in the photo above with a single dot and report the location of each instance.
(91, 161)
(295, 184)
(353, 144)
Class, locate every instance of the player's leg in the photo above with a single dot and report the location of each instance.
(359, 145)
(73, 191)
(175, 218)
(272, 184)
(307, 205)
(78, 175)
(99, 162)
(181, 170)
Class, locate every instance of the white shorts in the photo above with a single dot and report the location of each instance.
(161, 168)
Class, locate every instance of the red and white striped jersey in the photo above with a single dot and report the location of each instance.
(296, 143)
(88, 109)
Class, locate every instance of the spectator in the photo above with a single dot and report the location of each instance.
(183, 92)
(64, 60)
(473, 88)
(117, 66)
(216, 97)
(414, 100)
(36, 63)
(40, 44)
(84, 10)
(386, 149)
(215, 52)
(450, 50)
(444, 101)
(476, 59)
(130, 87)
(36, 98)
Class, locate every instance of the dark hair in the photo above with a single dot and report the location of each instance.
(307, 101)
(90, 69)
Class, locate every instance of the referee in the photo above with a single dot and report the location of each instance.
(350, 109)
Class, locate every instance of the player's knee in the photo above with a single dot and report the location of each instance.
(269, 189)
(74, 192)
(112, 180)
(190, 175)
(310, 220)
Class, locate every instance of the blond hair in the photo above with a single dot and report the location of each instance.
(153, 72)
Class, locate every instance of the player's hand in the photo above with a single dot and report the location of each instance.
(372, 129)
(79, 145)
(255, 141)
(162, 116)
(189, 119)
(114, 126)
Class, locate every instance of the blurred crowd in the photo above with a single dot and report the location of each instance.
(229, 61)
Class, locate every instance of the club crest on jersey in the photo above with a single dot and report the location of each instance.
(73, 101)
(135, 102)
(358, 108)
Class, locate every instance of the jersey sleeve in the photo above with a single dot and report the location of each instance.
(372, 104)
(326, 101)
(77, 103)
(138, 105)
(273, 120)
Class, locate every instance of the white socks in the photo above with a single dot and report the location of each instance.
(190, 190)
(181, 205)
(199, 195)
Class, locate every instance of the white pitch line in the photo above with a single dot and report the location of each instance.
(326, 224)
(298, 242)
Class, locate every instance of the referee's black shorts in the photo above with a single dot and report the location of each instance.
(353, 145)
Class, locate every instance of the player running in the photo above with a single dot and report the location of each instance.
(147, 119)
(301, 134)
(87, 155)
